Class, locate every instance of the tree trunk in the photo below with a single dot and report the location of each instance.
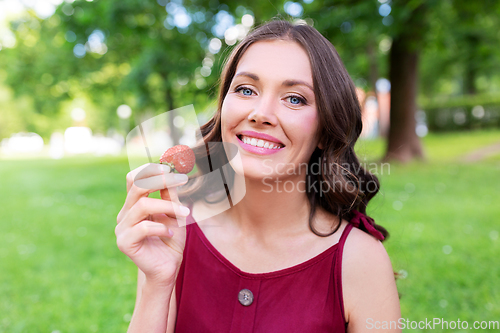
(174, 133)
(470, 79)
(472, 45)
(403, 143)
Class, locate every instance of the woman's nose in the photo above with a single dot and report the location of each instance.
(264, 111)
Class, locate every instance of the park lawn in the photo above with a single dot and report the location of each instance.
(444, 229)
(61, 269)
(438, 147)
(62, 272)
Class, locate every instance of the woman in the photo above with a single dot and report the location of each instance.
(287, 258)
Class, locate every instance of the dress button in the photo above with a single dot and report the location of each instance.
(245, 297)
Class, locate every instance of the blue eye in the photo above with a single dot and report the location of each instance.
(296, 100)
(246, 91)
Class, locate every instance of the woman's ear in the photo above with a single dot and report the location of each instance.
(320, 146)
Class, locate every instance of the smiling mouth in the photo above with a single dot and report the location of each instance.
(259, 142)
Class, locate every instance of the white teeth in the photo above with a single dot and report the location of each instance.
(259, 143)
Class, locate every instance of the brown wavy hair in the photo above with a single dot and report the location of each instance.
(339, 125)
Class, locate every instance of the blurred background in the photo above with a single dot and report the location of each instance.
(77, 76)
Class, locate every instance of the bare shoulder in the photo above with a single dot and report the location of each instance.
(369, 288)
(364, 249)
(365, 262)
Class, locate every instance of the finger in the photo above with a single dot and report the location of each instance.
(132, 174)
(164, 219)
(160, 180)
(149, 206)
(179, 221)
(155, 183)
(170, 194)
(146, 171)
(139, 232)
(153, 169)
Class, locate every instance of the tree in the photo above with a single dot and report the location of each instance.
(403, 144)
(405, 26)
(469, 24)
(462, 48)
(163, 58)
(153, 55)
(115, 52)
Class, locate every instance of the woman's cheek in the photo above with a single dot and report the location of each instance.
(228, 117)
(234, 110)
(310, 124)
(306, 124)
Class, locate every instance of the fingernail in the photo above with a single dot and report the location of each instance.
(180, 177)
(163, 168)
(184, 210)
(170, 232)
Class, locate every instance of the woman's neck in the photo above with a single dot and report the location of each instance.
(272, 207)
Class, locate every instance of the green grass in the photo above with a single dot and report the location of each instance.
(452, 208)
(444, 225)
(438, 147)
(61, 270)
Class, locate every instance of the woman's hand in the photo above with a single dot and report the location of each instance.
(148, 230)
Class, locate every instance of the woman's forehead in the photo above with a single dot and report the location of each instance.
(276, 59)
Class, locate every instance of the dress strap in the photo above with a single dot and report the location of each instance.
(343, 237)
(337, 276)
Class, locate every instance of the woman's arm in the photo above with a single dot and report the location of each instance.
(148, 232)
(371, 301)
(153, 303)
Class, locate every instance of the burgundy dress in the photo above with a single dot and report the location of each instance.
(213, 295)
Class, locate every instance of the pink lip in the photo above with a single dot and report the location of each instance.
(257, 150)
(261, 136)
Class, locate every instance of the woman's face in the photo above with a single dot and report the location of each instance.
(269, 112)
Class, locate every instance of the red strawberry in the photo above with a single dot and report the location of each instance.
(179, 157)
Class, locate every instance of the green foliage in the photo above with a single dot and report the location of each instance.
(461, 56)
(30, 77)
(139, 59)
(154, 66)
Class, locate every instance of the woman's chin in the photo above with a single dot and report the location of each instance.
(252, 174)
(254, 169)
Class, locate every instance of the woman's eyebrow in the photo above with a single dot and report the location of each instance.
(290, 83)
(250, 75)
(287, 83)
